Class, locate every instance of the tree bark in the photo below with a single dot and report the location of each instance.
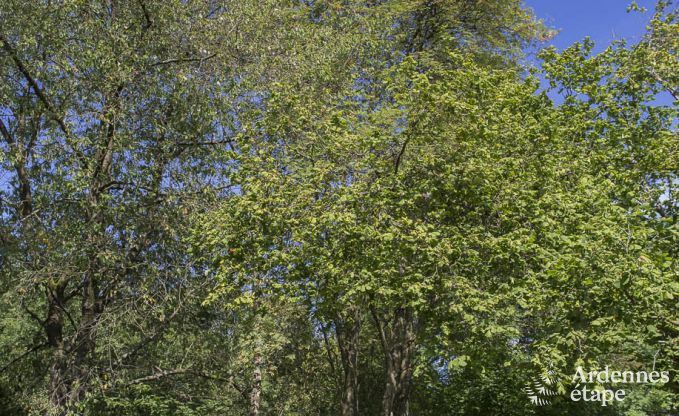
(54, 329)
(256, 390)
(348, 331)
(91, 308)
(398, 342)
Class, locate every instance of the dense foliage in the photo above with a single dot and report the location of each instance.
(330, 207)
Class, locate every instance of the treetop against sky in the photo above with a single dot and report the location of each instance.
(338, 207)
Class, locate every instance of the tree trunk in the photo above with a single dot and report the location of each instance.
(256, 390)
(54, 329)
(84, 339)
(347, 339)
(399, 347)
(68, 370)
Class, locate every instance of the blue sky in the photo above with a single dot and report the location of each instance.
(602, 20)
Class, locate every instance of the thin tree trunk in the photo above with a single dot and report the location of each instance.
(256, 385)
(348, 340)
(256, 390)
(54, 329)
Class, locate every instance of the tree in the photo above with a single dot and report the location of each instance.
(328, 207)
(113, 113)
(469, 219)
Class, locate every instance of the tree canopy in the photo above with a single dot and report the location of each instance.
(331, 207)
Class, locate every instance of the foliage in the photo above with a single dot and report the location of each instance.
(330, 207)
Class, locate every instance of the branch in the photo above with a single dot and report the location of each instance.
(403, 147)
(30, 350)
(61, 305)
(41, 96)
(147, 17)
(31, 81)
(149, 339)
(380, 329)
(104, 154)
(664, 84)
(179, 371)
(26, 205)
(210, 143)
(5, 133)
(331, 353)
(230, 380)
(156, 376)
(183, 60)
(400, 155)
(32, 314)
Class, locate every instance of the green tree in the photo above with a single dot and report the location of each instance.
(473, 224)
(329, 207)
(113, 115)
